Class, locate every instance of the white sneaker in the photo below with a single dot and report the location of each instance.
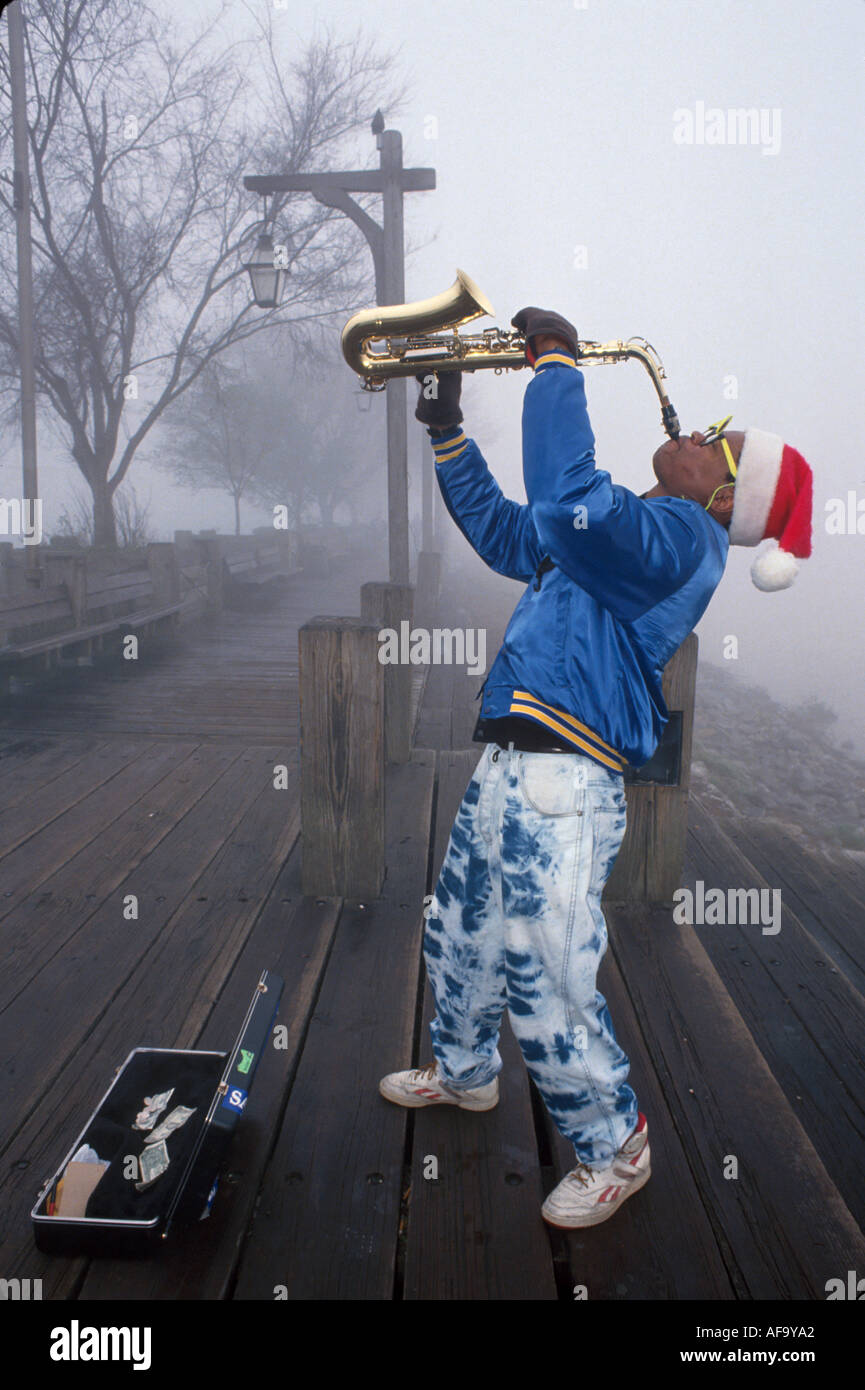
(424, 1086)
(586, 1197)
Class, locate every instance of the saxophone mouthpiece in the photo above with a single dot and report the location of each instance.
(671, 420)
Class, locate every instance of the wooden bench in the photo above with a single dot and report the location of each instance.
(48, 622)
(256, 567)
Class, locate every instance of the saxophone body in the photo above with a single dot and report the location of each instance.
(411, 340)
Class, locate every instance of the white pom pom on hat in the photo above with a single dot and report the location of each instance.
(772, 501)
(774, 568)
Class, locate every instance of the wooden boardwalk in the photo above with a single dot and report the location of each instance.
(158, 781)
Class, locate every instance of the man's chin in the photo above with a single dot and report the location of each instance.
(660, 458)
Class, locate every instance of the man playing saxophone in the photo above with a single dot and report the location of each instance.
(615, 582)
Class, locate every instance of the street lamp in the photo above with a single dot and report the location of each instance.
(266, 275)
(333, 188)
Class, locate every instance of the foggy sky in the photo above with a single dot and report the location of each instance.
(551, 129)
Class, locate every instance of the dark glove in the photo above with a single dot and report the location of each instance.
(442, 410)
(532, 321)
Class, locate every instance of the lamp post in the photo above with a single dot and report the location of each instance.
(387, 244)
(21, 199)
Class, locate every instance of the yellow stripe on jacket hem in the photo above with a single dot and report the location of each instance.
(555, 720)
(565, 734)
(569, 719)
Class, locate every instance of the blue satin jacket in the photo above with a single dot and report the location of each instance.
(624, 580)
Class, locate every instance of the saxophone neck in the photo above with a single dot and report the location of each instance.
(619, 351)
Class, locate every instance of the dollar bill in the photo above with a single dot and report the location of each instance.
(177, 1117)
(153, 1108)
(153, 1163)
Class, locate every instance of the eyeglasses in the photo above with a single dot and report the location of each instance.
(715, 434)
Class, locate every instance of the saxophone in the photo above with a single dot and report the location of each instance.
(413, 341)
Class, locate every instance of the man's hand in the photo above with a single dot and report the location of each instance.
(549, 342)
(439, 399)
(543, 328)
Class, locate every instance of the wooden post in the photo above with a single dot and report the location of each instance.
(341, 758)
(73, 573)
(429, 568)
(7, 561)
(428, 486)
(649, 864)
(215, 572)
(164, 571)
(387, 606)
(393, 243)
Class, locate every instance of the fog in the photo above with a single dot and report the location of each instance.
(560, 182)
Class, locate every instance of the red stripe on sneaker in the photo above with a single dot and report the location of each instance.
(609, 1194)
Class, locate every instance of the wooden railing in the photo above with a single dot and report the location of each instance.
(77, 603)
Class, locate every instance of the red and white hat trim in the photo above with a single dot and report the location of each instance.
(772, 501)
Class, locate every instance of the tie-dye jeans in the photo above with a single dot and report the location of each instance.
(516, 922)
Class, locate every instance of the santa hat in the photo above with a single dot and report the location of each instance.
(772, 501)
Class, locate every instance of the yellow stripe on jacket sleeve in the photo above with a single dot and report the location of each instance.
(445, 449)
(550, 357)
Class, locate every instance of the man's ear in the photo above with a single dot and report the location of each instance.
(722, 507)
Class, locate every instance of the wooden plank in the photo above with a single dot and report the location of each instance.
(327, 1221)
(433, 728)
(82, 787)
(805, 1016)
(679, 685)
(107, 587)
(782, 1225)
(648, 866)
(30, 865)
(72, 637)
(200, 896)
(476, 1232)
(32, 604)
(824, 900)
(666, 1220)
(465, 709)
(28, 764)
(150, 615)
(627, 881)
(65, 928)
(665, 844)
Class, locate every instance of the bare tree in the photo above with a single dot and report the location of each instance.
(323, 451)
(281, 427)
(216, 438)
(140, 219)
(133, 518)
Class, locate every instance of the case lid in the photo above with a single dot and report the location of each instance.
(229, 1099)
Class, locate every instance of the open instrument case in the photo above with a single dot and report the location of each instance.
(126, 1210)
